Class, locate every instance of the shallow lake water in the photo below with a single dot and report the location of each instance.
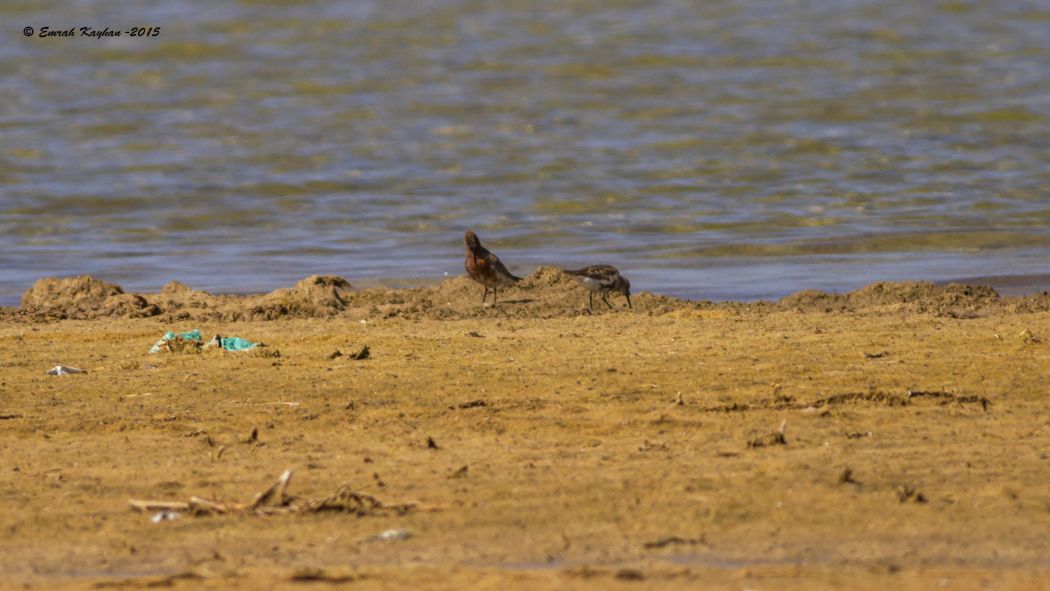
(735, 149)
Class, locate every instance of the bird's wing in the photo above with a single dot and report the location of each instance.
(594, 271)
(498, 266)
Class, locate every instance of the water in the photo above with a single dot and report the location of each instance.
(732, 149)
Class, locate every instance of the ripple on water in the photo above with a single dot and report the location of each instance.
(832, 145)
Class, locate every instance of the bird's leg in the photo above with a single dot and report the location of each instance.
(590, 300)
(484, 295)
(628, 301)
(605, 298)
(494, 292)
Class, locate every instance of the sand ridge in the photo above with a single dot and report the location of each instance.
(546, 293)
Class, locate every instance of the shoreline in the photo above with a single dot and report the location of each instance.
(545, 293)
(1007, 284)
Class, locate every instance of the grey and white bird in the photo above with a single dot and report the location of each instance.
(602, 279)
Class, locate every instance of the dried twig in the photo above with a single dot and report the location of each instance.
(147, 506)
(275, 494)
(275, 500)
(673, 540)
(776, 438)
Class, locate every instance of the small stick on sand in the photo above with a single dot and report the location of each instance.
(275, 494)
(147, 506)
(202, 506)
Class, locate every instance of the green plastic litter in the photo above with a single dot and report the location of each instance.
(237, 344)
(227, 343)
(193, 335)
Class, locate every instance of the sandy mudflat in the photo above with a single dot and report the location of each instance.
(616, 450)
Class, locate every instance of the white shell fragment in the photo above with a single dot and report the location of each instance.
(61, 370)
(165, 516)
(392, 535)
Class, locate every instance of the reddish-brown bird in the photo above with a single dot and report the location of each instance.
(485, 267)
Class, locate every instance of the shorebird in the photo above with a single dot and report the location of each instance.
(602, 279)
(485, 267)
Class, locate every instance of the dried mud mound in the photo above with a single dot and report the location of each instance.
(548, 292)
(1038, 302)
(83, 297)
(954, 300)
(315, 296)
